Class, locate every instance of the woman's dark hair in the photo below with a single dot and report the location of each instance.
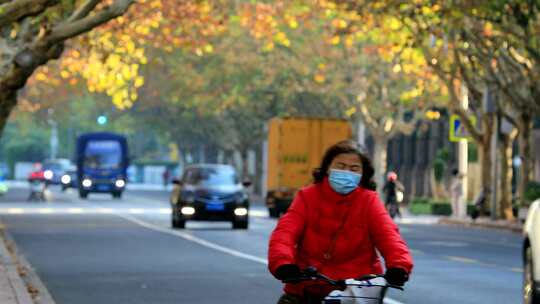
(346, 147)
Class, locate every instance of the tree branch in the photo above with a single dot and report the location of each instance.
(83, 10)
(16, 10)
(371, 123)
(68, 30)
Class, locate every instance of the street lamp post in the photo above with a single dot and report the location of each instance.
(463, 157)
(54, 134)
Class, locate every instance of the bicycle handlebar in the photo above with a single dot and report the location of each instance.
(312, 274)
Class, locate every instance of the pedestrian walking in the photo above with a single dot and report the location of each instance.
(456, 191)
(338, 225)
(166, 175)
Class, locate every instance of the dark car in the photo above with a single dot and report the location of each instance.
(210, 192)
(54, 169)
(69, 179)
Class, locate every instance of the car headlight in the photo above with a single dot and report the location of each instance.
(187, 210)
(240, 211)
(120, 183)
(48, 174)
(66, 179)
(87, 183)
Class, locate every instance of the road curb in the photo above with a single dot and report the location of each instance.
(513, 227)
(30, 280)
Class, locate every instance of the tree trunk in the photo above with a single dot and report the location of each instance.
(505, 203)
(8, 100)
(486, 163)
(379, 160)
(245, 163)
(259, 167)
(10, 82)
(527, 158)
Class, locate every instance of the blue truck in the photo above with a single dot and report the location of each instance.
(102, 161)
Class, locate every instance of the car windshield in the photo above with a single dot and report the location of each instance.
(103, 154)
(52, 166)
(211, 176)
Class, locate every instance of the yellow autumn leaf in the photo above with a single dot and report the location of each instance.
(350, 112)
(139, 81)
(335, 40)
(117, 99)
(293, 23)
(319, 78)
(208, 48)
(126, 72)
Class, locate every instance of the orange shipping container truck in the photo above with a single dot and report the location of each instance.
(295, 148)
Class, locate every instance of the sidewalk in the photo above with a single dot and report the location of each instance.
(13, 289)
(484, 222)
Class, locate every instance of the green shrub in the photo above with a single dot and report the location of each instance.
(440, 163)
(441, 208)
(439, 166)
(419, 200)
(532, 191)
(417, 209)
(421, 205)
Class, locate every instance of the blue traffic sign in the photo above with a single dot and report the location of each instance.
(458, 131)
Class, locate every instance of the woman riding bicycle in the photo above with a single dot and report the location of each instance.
(337, 224)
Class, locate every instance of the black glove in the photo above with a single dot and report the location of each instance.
(288, 272)
(396, 276)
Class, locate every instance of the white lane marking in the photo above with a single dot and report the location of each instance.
(447, 244)
(462, 259)
(76, 210)
(258, 213)
(93, 210)
(165, 210)
(415, 251)
(15, 210)
(195, 239)
(210, 245)
(46, 210)
(519, 270)
(105, 210)
(136, 210)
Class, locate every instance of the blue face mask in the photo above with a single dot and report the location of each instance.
(343, 181)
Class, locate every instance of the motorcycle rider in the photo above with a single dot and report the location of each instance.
(393, 192)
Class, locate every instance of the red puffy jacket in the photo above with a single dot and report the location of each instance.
(338, 234)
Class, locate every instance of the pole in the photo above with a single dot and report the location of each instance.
(463, 157)
(54, 134)
(54, 140)
(361, 132)
(495, 168)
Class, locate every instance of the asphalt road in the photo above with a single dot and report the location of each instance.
(123, 251)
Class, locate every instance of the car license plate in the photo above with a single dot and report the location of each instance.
(103, 187)
(215, 207)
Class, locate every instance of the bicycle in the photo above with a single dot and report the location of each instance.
(369, 289)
